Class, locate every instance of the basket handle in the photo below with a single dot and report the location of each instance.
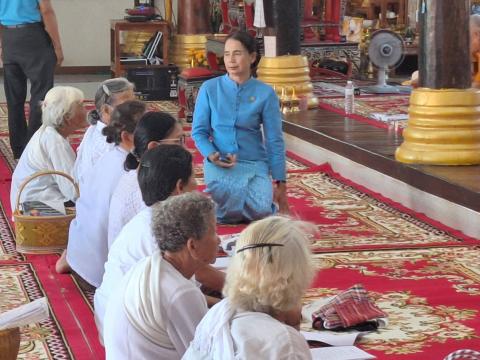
(42, 173)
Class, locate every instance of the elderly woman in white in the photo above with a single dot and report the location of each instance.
(111, 92)
(261, 313)
(155, 310)
(87, 248)
(49, 149)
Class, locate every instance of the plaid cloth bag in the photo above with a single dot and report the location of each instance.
(463, 354)
(347, 309)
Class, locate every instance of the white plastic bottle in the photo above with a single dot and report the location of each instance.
(349, 98)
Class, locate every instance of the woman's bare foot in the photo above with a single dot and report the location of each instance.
(62, 266)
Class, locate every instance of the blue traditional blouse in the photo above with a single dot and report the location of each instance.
(228, 118)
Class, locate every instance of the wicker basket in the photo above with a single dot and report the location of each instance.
(9, 343)
(42, 234)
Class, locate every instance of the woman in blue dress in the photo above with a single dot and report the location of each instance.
(237, 127)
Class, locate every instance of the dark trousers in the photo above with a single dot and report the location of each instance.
(27, 54)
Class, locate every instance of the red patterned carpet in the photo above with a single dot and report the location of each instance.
(431, 296)
(350, 217)
(424, 275)
(69, 332)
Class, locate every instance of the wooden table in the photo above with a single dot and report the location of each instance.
(116, 26)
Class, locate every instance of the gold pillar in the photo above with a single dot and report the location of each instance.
(288, 71)
(443, 128)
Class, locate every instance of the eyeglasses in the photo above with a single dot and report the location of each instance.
(180, 140)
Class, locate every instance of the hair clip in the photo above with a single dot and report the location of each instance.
(253, 246)
(106, 90)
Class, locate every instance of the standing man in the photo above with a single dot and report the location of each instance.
(31, 48)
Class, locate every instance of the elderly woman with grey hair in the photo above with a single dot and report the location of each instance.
(265, 282)
(110, 93)
(154, 312)
(49, 149)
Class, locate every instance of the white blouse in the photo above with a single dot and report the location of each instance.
(260, 336)
(227, 334)
(125, 204)
(46, 150)
(134, 243)
(87, 248)
(153, 313)
(93, 146)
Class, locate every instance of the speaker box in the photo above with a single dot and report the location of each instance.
(154, 83)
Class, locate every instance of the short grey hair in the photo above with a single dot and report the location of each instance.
(180, 218)
(106, 94)
(59, 104)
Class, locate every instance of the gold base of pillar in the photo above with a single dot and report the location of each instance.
(443, 128)
(288, 71)
(182, 47)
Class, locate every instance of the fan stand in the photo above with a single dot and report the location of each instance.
(383, 88)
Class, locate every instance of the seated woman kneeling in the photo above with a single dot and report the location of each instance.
(49, 149)
(155, 310)
(261, 313)
(237, 127)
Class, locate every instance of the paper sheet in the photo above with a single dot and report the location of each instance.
(328, 337)
(32, 312)
(340, 353)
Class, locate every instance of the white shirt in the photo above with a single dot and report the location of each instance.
(87, 248)
(134, 243)
(227, 334)
(153, 314)
(90, 150)
(46, 150)
(125, 204)
(259, 336)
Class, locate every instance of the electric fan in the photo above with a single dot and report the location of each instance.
(385, 52)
